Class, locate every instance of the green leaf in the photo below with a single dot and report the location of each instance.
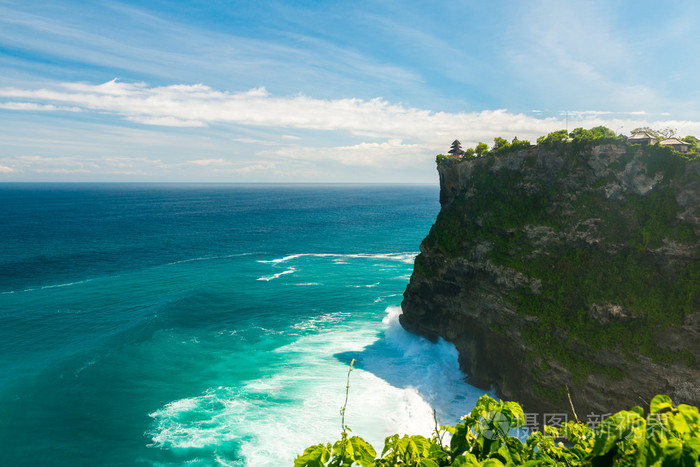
(516, 449)
(515, 414)
(362, 452)
(672, 453)
(551, 431)
(428, 463)
(492, 463)
(458, 443)
(466, 460)
(390, 444)
(607, 435)
(314, 456)
(691, 452)
(691, 416)
(659, 403)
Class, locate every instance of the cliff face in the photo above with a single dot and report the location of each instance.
(567, 266)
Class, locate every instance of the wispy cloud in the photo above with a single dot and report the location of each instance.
(199, 105)
(375, 154)
(185, 132)
(34, 106)
(205, 162)
(235, 167)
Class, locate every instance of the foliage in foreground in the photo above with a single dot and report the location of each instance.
(667, 436)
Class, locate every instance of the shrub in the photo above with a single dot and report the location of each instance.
(668, 435)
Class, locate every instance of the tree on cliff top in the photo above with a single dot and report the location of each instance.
(559, 136)
(594, 134)
(665, 133)
(500, 143)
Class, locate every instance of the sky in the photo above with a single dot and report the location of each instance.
(325, 91)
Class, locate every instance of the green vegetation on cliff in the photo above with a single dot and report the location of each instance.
(666, 436)
(600, 260)
(577, 138)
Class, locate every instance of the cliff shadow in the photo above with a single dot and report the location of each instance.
(409, 362)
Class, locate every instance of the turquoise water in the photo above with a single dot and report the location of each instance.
(211, 324)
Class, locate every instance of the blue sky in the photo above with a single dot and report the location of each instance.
(323, 91)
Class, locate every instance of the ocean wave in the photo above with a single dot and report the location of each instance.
(206, 421)
(275, 276)
(314, 324)
(46, 287)
(384, 297)
(407, 361)
(208, 258)
(399, 379)
(407, 258)
(368, 286)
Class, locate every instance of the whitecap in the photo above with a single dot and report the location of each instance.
(369, 286)
(49, 287)
(208, 258)
(397, 381)
(316, 323)
(275, 276)
(407, 258)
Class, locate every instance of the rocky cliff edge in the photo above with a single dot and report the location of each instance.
(567, 268)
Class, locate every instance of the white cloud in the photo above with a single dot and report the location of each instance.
(360, 135)
(205, 162)
(200, 105)
(77, 164)
(227, 166)
(261, 166)
(34, 106)
(253, 141)
(367, 154)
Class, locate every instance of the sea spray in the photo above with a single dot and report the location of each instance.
(399, 379)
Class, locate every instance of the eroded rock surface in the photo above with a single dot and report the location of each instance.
(562, 267)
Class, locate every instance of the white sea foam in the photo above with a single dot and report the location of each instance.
(275, 276)
(385, 297)
(46, 287)
(398, 379)
(369, 286)
(208, 258)
(321, 321)
(289, 258)
(407, 258)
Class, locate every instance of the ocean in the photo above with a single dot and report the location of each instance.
(186, 324)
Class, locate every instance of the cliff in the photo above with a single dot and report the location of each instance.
(567, 266)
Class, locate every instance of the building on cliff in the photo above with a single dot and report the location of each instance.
(642, 138)
(456, 149)
(677, 144)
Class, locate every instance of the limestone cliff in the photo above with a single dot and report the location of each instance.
(567, 265)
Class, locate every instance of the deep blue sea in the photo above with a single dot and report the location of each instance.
(174, 325)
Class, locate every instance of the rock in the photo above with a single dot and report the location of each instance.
(567, 268)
